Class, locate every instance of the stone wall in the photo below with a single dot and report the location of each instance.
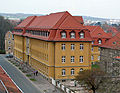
(108, 61)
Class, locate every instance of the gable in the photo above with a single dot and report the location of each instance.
(70, 23)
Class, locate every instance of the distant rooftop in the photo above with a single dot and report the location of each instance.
(7, 85)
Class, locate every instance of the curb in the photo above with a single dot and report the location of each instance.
(23, 74)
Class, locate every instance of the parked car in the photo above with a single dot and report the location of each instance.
(9, 56)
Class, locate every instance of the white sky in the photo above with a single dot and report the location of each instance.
(95, 8)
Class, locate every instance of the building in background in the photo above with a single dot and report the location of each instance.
(110, 56)
(9, 43)
(99, 37)
(57, 45)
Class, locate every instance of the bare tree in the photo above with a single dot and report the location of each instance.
(91, 78)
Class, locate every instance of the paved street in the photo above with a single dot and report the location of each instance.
(18, 77)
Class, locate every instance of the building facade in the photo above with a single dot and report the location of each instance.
(99, 37)
(110, 56)
(9, 42)
(57, 45)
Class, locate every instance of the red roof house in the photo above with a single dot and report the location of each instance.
(53, 24)
(97, 33)
(113, 42)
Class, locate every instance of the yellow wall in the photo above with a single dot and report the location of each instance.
(95, 53)
(46, 57)
(18, 47)
(86, 53)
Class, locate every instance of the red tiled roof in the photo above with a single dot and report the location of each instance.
(25, 22)
(79, 19)
(97, 32)
(11, 87)
(113, 29)
(117, 57)
(54, 23)
(114, 42)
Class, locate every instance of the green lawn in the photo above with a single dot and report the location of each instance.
(95, 66)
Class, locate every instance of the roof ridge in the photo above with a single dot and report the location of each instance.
(95, 28)
(30, 21)
(62, 20)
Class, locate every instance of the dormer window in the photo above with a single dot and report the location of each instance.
(63, 35)
(82, 35)
(72, 35)
(99, 33)
(114, 43)
(99, 41)
(92, 42)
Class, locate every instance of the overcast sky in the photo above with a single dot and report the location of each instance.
(95, 8)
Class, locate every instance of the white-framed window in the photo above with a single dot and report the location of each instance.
(92, 42)
(63, 72)
(9, 48)
(63, 47)
(98, 57)
(92, 49)
(63, 59)
(92, 57)
(9, 35)
(81, 59)
(72, 35)
(72, 71)
(9, 41)
(99, 49)
(12, 37)
(72, 59)
(81, 69)
(81, 47)
(99, 41)
(72, 46)
(82, 35)
(63, 35)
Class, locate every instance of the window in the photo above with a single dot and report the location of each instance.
(99, 41)
(63, 47)
(12, 37)
(9, 48)
(63, 35)
(9, 42)
(72, 59)
(9, 35)
(81, 69)
(92, 42)
(81, 59)
(99, 33)
(92, 49)
(72, 71)
(72, 46)
(114, 42)
(81, 35)
(98, 49)
(63, 72)
(81, 46)
(98, 57)
(63, 59)
(72, 35)
(92, 57)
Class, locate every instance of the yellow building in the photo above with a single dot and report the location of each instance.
(9, 43)
(56, 45)
(99, 37)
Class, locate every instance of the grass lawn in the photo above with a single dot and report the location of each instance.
(32, 79)
(28, 75)
(95, 66)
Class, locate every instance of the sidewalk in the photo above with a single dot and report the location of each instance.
(41, 83)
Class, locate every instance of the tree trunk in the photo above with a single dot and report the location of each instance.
(93, 91)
